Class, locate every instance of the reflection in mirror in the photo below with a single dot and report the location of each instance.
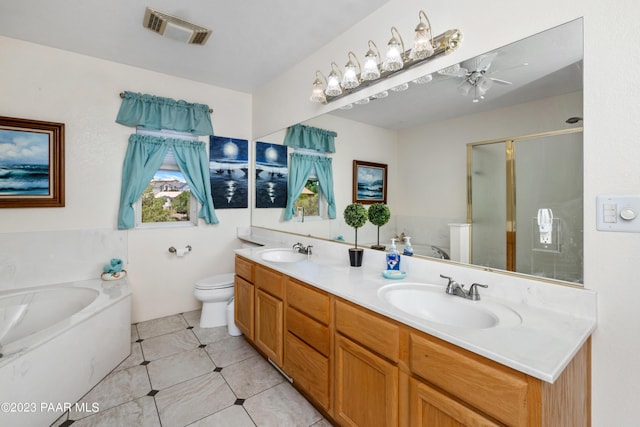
(529, 87)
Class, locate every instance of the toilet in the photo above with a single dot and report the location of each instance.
(214, 292)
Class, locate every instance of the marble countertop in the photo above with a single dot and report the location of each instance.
(541, 345)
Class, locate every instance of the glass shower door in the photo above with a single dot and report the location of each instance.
(549, 178)
(488, 199)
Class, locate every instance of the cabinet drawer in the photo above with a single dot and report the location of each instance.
(311, 302)
(269, 281)
(368, 329)
(308, 368)
(244, 269)
(308, 330)
(429, 407)
(490, 387)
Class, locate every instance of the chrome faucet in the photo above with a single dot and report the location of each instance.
(302, 249)
(455, 288)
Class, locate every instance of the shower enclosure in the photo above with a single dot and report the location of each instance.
(525, 203)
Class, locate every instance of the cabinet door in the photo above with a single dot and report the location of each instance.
(428, 408)
(243, 307)
(309, 370)
(269, 331)
(366, 387)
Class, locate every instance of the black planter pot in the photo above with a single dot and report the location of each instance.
(355, 256)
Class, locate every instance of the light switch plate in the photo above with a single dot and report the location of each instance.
(611, 211)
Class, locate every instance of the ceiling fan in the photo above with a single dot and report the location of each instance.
(476, 79)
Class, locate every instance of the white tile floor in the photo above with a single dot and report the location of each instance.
(179, 374)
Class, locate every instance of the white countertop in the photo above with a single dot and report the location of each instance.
(541, 346)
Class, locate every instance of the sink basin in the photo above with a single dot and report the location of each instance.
(282, 255)
(430, 302)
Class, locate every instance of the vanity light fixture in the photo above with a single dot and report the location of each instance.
(423, 79)
(350, 78)
(317, 95)
(371, 63)
(423, 39)
(395, 52)
(426, 47)
(381, 95)
(401, 87)
(333, 81)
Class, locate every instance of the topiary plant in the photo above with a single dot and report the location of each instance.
(355, 215)
(379, 215)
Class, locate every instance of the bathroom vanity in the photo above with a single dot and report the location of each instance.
(363, 363)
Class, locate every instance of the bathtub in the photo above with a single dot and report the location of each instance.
(56, 343)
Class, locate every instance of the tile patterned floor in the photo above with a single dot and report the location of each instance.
(179, 374)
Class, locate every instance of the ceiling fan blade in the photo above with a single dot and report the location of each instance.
(485, 61)
(454, 71)
(500, 81)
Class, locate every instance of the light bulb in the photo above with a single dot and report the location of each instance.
(370, 71)
(333, 85)
(422, 47)
(350, 79)
(393, 61)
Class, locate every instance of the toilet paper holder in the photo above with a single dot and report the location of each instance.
(186, 249)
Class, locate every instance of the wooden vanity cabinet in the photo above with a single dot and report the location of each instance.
(269, 292)
(244, 296)
(363, 369)
(308, 342)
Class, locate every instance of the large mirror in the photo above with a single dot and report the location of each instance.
(530, 89)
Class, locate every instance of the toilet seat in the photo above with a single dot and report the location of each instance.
(218, 281)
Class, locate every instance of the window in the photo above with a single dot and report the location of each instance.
(308, 204)
(167, 201)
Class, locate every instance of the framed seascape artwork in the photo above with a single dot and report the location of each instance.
(229, 172)
(369, 182)
(272, 175)
(31, 163)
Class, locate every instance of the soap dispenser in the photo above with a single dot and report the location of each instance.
(408, 249)
(393, 257)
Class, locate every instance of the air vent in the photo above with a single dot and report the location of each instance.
(175, 28)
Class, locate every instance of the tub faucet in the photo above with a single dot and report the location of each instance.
(302, 249)
(455, 288)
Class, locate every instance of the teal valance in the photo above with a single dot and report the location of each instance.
(310, 138)
(154, 112)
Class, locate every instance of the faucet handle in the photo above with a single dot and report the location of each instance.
(447, 277)
(473, 291)
(451, 285)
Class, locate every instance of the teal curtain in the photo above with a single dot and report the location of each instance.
(299, 168)
(144, 156)
(310, 138)
(154, 112)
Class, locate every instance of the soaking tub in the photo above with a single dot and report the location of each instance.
(56, 343)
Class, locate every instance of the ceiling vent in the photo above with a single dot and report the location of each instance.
(175, 28)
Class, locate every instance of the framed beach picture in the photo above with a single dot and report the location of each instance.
(31, 163)
(369, 182)
(272, 175)
(229, 172)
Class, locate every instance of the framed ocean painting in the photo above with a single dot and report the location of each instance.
(31, 163)
(272, 175)
(369, 182)
(229, 172)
